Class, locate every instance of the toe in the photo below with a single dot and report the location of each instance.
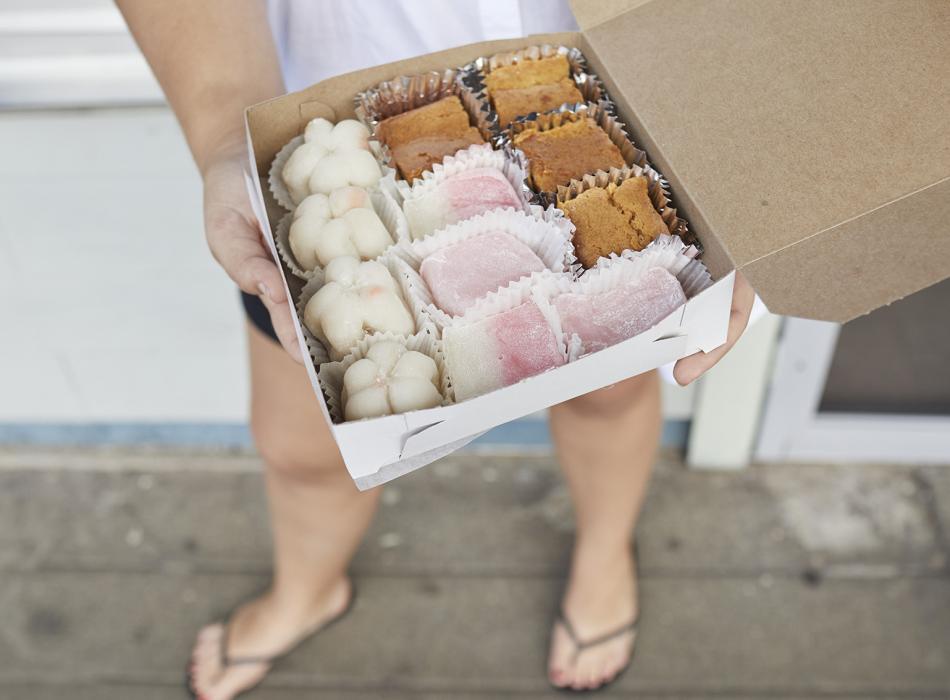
(235, 680)
(560, 659)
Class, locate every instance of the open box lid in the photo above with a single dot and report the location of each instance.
(812, 139)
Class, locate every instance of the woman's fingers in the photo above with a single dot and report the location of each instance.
(690, 368)
(283, 322)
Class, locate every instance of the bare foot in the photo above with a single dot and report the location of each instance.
(601, 597)
(262, 627)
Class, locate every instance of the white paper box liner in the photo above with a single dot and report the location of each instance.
(545, 233)
(331, 374)
(386, 208)
(317, 344)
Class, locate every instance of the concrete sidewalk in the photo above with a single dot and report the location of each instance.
(778, 582)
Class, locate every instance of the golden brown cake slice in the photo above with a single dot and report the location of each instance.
(613, 219)
(543, 71)
(445, 117)
(514, 102)
(567, 152)
(414, 158)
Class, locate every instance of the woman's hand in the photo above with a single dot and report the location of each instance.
(236, 242)
(689, 369)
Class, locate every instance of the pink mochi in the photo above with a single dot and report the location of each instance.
(459, 197)
(460, 274)
(500, 350)
(605, 319)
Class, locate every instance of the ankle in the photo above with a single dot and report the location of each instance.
(294, 600)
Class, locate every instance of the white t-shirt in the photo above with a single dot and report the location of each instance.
(322, 38)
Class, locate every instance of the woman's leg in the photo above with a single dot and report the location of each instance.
(318, 519)
(606, 441)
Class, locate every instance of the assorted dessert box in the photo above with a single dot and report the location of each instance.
(506, 288)
(506, 229)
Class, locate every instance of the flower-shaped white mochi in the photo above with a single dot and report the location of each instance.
(329, 158)
(390, 379)
(356, 298)
(344, 223)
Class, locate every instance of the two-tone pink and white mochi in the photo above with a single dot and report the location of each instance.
(500, 350)
(622, 312)
(460, 274)
(459, 197)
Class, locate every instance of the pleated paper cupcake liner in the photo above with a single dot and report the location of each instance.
(331, 374)
(385, 207)
(588, 84)
(317, 342)
(408, 92)
(547, 235)
(657, 188)
(602, 115)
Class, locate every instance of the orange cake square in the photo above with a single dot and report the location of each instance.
(511, 103)
(445, 117)
(423, 136)
(567, 152)
(544, 71)
(613, 219)
(414, 158)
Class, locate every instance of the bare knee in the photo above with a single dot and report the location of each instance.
(617, 398)
(294, 453)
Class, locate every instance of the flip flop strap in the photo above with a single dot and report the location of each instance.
(584, 644)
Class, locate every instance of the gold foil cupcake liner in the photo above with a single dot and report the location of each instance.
(549, 238)
(320, 349)
(407, 92)
(588, 84)
(599, 112)
(385, 206)
(657, 188)
(275, 180)
(330, 374)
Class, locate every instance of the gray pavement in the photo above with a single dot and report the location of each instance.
(777, 582)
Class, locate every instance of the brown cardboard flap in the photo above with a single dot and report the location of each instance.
(779, 123)
(590, 13)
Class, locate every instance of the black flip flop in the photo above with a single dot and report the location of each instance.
(582, 645)
(227, 661)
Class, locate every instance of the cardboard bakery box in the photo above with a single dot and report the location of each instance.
(806, 144)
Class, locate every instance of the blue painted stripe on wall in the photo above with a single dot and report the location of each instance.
(529, 432)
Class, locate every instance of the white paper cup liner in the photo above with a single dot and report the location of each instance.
(386, 209)
(548, 236)
(320, 349)
(601, 113)
(331, 374)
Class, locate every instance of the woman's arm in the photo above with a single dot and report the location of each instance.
(213, 58)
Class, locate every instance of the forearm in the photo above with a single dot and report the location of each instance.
(212, 58)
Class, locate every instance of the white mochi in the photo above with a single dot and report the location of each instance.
(390, 379)
(357, 298)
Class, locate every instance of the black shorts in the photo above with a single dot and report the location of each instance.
(258, 316)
